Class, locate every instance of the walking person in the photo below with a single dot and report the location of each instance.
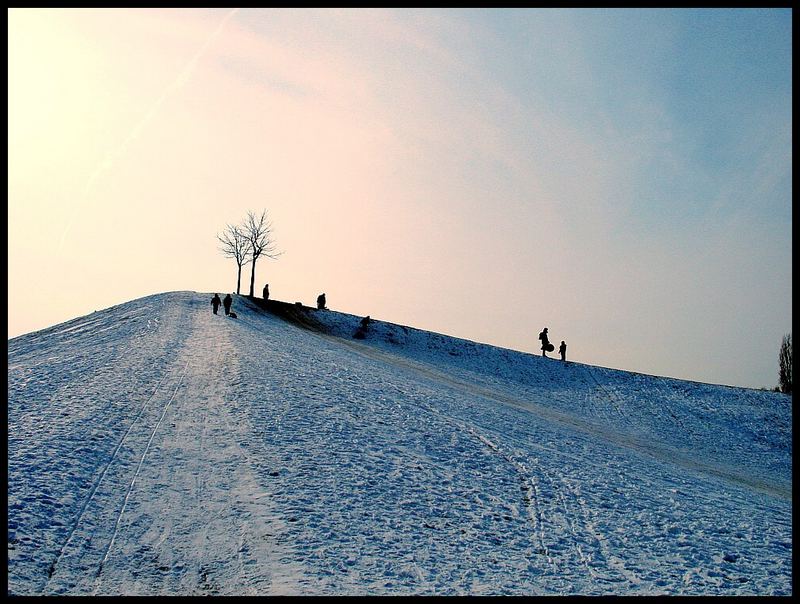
(563, 350)
(266, 291)
(215, 302)
(227, 304)
(545, 341)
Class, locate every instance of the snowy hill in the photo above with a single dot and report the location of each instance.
(155, 448)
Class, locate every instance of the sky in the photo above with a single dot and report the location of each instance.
(621, 176)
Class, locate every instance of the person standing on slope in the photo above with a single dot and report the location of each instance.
(227, 303)
(215, 302)
(563, 350)
(545, 341)
(266, 291)
(321, 302)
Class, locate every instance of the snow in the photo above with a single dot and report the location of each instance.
(157, 449)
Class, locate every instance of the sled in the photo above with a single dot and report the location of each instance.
(549, 348)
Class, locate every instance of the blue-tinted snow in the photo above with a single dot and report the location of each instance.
(155, 448)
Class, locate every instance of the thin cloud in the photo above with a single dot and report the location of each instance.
(179, 81)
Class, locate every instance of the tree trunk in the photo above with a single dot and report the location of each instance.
(252, 277)
(239, 280)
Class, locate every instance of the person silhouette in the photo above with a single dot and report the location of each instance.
(215, 302)
(363, 325)
(266, 291)
(563, 350)
(227, 304)
(321, 301)
(545, 341)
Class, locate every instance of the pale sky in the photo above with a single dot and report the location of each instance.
(621, 176)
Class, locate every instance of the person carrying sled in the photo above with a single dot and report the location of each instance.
(227, 304)
(321, 301)
(545, 341)
(563, 350)
(215, 302)
(266, 291)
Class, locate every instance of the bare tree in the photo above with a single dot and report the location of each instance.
(258, 231)
(235, 245)
(785, 364)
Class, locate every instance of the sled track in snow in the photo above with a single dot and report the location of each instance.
(133, 481)
(530, 498)
(82, 511)
(612, 399)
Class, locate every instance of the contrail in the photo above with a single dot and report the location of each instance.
(179, 81)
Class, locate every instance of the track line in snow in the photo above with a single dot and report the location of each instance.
(615, 403)
(569, 522)
(133, 481)
(530, 498)
(614, 562)
(54, 565)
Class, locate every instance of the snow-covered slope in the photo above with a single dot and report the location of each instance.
(155, 448)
